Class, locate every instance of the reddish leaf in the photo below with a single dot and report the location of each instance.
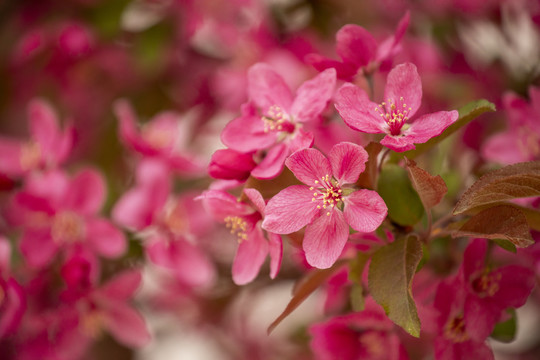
(498, 222)
(431, 189)
(511, 182)
(305, 287)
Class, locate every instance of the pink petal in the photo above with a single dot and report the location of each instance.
(105, 238)
(403, 82)
(325, 239)
(390, 46)
(515, 285)
(364, 210)
(86, 192)
(355, 45)
(246, 134)
(135, 210)
(256, 198)
(13, 308)
(229, 164)
(273, 162)
(348, 161)
(38, 248)
(313, 96)
(43, 125)
(121, 287)
(344, 71)
(502, 148)
(187, 262)
(10, 161)
(430, 125)
(267, 88)
(281, 213)
(398, 143)
(222, 204)
(5, 255)
(479, 320)
(249, 257)
(309, 166)
(275, 249)
(301, 140)
(126, 325)
(358, 111)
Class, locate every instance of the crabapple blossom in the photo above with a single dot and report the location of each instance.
(273, 119)
(327, 206)
(244, 221)
(402, 94)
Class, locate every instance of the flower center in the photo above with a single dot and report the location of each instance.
(455, 329)
(329, 195)
(238, 227)
(276, 120)
(30, 155)
(67, 227)
(487, 284)
(395, 114)
(175, 219)
(92, 323)
(157, 137)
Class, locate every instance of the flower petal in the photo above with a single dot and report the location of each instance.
(358, 111)
(313, 95)
(403, 87)
(256, 198)
(105, 238)
(267, 88)
(348, 161)
(126, 325)
(281, 213)
(246, 134)
(344, 71)
(430, 125)
(325, 239)
(221, 204)
(356, 45)
(276, 253)
(38, 248)
(43, 125)
(272, 164)
(229, 164)
(86, 192)
(309, 166)
(398, 143)
(249, 257)
(364, 210)
(121, 286)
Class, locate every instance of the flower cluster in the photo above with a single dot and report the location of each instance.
(171, 170)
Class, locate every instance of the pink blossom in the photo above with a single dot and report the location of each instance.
(358, 49)
(47, 147)
(403, 94)
(168, 225)
(163, 137)
(59, 213)
(521, 140)
(228, 164)
(12, 296)
(327, 206)
(244, 221)
(273, 120)
(362, 335)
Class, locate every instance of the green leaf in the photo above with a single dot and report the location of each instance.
(466, 114)
(394, 186)
(357, 297)
(506, 331)
(390, 278)
(510, 182)
(506, 245)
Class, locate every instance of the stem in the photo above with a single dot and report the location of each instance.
(383, 157)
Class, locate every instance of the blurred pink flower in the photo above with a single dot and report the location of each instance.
(244, 220)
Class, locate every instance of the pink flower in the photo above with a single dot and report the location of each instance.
(58, 213)
(454, 341)
(162, 137)
(12, 296)
(358, 49)
(167, 224)
(273, 120)
(244, 220)
(47, 147)
(402, 95)
(521, 140)
(326, 206)
(490, 291)
(362, 335)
